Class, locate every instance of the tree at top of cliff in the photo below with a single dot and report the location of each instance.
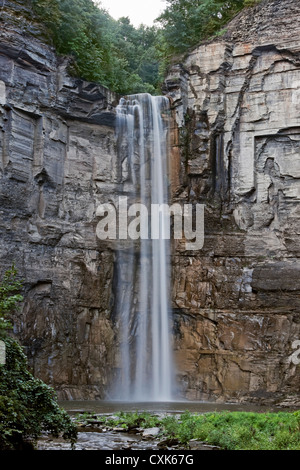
(186, 23)
(118, 55)
(110, 52)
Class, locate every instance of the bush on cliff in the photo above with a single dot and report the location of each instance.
(27, 405)
(10, 296)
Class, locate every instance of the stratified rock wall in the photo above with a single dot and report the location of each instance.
(236, 149)
(236, 302)
(58, 162)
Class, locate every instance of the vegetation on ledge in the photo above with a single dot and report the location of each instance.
(28, 406)
(124, 58)
(113, 53)
(185, 23)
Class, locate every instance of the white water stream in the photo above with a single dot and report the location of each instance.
(144, 322)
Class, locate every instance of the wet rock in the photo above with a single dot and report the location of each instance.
(165, 443)
(134, 430)
(150, 432)
(292, 402)
(91, 428)
(194, 444)
(98, 441)
(95, 422)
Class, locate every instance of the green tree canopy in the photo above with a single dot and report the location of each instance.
(187, 22)
(110, 52)
(124, 58)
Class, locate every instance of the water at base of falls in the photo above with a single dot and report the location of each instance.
(143, 276)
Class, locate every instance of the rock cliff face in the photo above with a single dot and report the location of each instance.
(236, 149)
(58, 160)
(237, 102)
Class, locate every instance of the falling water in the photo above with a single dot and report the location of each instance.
(143, 309)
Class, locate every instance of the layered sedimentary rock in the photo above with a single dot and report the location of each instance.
(237, 103)
(58, 162)
(236, 149)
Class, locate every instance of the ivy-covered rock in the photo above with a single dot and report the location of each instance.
(10, 296)
(27, 405)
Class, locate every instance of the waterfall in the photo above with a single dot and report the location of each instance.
(143, 273)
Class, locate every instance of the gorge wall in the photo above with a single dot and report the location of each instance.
(58, 163)
(236, 149)
(237, 102)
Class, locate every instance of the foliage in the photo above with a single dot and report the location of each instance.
(123, 419)
(137, 419)
(9, 296)
(238, 430)
(228, 430)
(113, 53)
(251, 3)
(124, 58)
(186, 23)
(27, 405)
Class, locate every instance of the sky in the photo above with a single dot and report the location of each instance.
(139, 11)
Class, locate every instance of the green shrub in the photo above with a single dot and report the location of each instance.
(131, 420)
(124, 58)
(27, 405)
(9, 296)
(238, 430)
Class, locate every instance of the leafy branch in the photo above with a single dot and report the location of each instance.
(10, 296)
